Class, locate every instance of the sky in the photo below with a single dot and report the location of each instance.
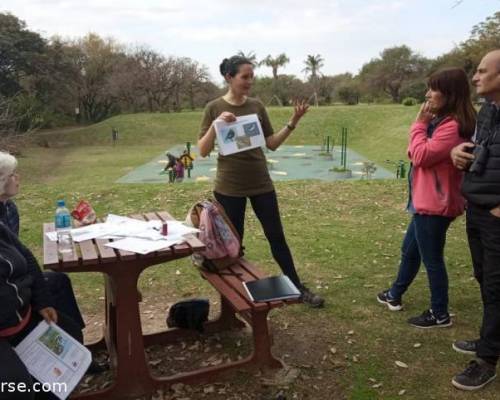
(346, 33)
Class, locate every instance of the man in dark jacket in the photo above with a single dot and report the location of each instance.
(481, 188)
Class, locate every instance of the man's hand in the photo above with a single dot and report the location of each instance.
(460, 157)
(49, 314)
(496, 211)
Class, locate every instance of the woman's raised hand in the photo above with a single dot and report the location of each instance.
(300, 107)
(425, 114)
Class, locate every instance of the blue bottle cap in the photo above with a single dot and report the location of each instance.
(61, 203)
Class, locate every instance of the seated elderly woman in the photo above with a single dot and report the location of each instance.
(59, 285)
(24, 302)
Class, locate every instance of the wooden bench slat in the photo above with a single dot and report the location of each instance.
(89, 253)
(50, 255)
(236, 284)
(246, 276)
(221, 286)
(255, 271)
(106, 253)
(252, 269)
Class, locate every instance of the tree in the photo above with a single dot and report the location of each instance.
(275, 63)
(313, 65)
(96, 60)
(396, 67)
(250, 56)
(20, 53)
(484, 37)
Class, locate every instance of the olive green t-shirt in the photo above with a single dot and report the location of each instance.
(245, 173)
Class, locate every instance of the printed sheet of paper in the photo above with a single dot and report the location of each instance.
(142, 246)
(54, 357)
(243, 134)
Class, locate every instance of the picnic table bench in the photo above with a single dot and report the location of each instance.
(235, 300)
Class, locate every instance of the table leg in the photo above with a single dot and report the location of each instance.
(124, 336)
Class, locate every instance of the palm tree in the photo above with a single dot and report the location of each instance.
(275, 63)
(251, 56)
(313, 65)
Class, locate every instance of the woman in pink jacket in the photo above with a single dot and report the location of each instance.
(446, 119)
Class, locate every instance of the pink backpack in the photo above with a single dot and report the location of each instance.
(216, 232)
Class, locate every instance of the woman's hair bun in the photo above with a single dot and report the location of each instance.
(223, 67)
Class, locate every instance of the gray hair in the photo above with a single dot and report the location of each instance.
(8, 164)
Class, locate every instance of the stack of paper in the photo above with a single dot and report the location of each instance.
(132, 234)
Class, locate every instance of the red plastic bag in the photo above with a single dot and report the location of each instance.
(84, 214)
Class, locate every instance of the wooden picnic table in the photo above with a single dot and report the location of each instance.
(123, 335)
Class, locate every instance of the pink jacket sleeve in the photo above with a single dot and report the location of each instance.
(425, 152)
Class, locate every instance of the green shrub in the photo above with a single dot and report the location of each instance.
(409, 101)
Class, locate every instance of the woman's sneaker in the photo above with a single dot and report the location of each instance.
(393, 304)
(465, 346)
(429, 320)
(477, 375)
(312, 299)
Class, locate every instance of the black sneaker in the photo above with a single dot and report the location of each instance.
(465, 346)
(393, 304)
(310, 298)
(429, 320)
(477, 375)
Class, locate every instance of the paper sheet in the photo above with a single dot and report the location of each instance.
(242, 135)
(54, 357)
(121, 227)
(142, 246)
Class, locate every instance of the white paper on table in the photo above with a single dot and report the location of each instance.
(117, 227)
(143, 246)
(93, 231)
(151, 229)
(54, 357)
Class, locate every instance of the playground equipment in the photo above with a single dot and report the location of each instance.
(343, 149)
(400, 168)
(187, 159)
(175, 166)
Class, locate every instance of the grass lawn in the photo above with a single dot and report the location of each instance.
(345, 237)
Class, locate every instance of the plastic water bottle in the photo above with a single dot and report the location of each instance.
(63, 228)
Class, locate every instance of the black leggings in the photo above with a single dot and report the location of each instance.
(12, 369)
(266, 209)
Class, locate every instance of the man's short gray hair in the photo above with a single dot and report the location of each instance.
(8, 164)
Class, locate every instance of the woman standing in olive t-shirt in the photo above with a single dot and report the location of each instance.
(245, 175)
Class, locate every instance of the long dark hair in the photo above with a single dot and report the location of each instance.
(454, 85)
(231, 65)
